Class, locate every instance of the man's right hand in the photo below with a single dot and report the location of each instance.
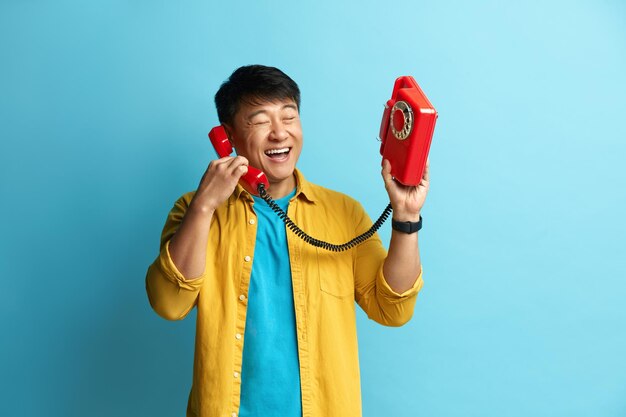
(219, 182)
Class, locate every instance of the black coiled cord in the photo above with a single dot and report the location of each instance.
(320, 243)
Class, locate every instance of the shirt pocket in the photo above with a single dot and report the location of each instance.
(335, 273)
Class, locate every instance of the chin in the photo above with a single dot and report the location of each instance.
(281, 175)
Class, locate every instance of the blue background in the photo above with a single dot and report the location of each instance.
(104, 110)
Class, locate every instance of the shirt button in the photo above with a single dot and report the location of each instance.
(242, 297)
(236, 374)
(251, 221)
(238, 336)
(247, 259)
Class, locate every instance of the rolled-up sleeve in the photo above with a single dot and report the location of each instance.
(372, 292)
(170, 294)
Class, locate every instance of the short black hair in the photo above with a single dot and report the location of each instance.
(253, 84)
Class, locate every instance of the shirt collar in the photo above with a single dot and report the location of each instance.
(304, 190)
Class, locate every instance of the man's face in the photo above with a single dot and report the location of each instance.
(269, 135)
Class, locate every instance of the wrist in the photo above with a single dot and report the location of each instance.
(406, 217)
(201, 208)
(407, 227)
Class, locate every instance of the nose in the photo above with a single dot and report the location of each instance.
(278, 133)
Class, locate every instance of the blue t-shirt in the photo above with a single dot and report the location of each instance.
(270, 373)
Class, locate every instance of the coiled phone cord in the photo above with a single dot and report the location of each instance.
(320, 243)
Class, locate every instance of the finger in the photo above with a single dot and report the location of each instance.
(239, 167)
(237, 163)
(220, 163)
(426, 175)
(240, 171)
(224, 159)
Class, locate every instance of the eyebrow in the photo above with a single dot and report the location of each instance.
(261, 111)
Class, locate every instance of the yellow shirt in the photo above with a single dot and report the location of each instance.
(325, 286)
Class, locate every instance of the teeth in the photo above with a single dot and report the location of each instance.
(275, 151)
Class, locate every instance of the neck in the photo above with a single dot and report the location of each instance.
(282, 188)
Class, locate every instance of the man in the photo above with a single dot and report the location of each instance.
(276, 330)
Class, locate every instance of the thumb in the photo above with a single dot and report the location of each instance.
(386, 172)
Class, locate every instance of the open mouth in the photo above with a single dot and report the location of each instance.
(278, 154)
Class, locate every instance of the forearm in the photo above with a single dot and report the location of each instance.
(188, 246)
(402, 265)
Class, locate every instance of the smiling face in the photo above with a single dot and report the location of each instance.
(269, 135)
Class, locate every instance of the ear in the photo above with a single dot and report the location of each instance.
(229, 132)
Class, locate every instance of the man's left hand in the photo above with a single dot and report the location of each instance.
(407, 201)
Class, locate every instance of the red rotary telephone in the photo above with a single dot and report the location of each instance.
(406, 131)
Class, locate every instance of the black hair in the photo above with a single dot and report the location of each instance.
(253, 84)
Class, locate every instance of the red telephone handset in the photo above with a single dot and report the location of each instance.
(254, 177)
(407, 130)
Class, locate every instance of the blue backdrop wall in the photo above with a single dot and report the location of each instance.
(104, 111)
